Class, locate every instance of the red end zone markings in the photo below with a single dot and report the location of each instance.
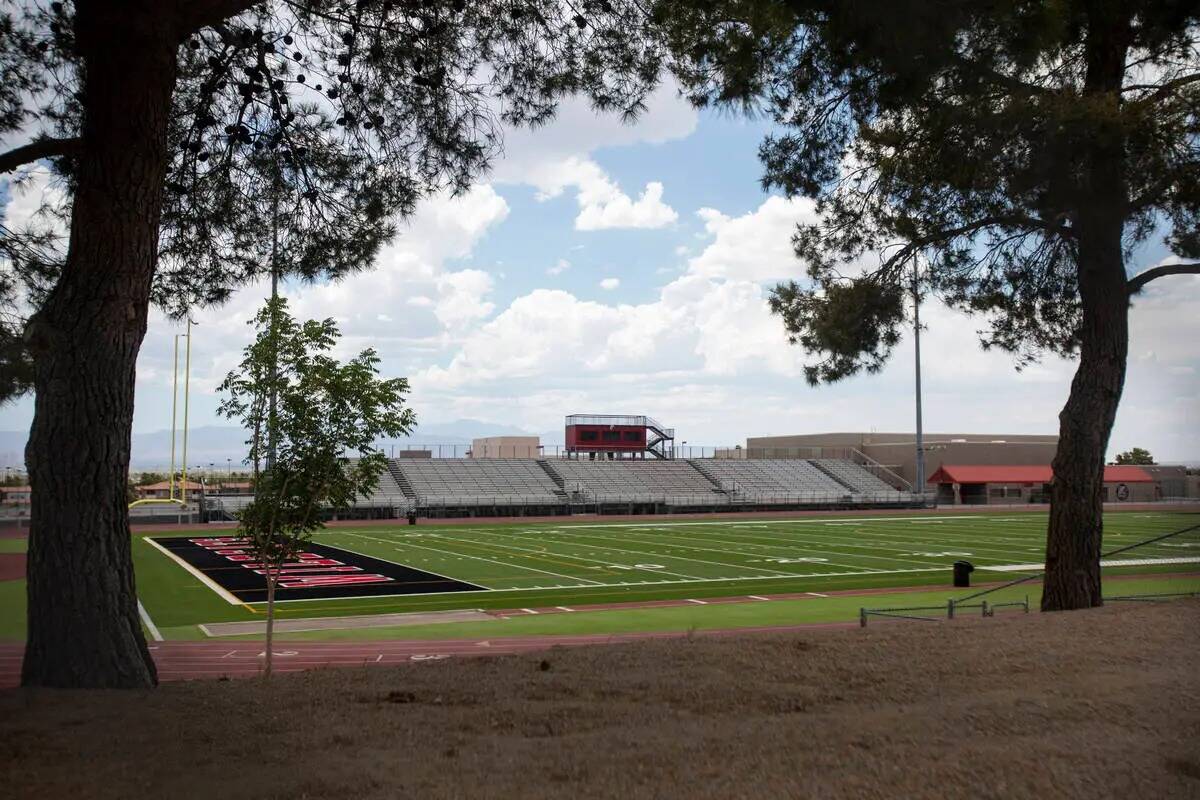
(309, 569)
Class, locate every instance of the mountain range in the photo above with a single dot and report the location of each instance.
(224, 446)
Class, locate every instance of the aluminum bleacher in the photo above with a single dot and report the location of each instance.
(521, 486)
(669, 482)
(854, 476)
(479, 482)
(775, 480)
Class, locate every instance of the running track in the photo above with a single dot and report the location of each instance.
(178, 661)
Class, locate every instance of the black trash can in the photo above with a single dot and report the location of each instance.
(962, 573)
(412, 517)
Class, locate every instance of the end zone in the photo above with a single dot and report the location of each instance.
(225, 565)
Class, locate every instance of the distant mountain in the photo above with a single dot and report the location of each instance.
(224, 446)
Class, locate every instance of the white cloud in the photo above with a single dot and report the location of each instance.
(577, 130)
(409, 307)
(755, 246)
(461, 297)
(561, 266)
(608, 284)
(602, 204)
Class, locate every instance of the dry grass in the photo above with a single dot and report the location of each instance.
(1092, 704)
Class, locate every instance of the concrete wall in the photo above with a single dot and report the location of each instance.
(506, 447)
(897, 451)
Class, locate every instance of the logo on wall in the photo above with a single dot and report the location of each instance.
(1122, 491)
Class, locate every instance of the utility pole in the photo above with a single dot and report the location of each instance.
(274, 298)
(916, 291)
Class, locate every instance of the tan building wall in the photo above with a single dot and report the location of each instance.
(1014, 493)
(1171, 478)
(897, 451)
(506, 447)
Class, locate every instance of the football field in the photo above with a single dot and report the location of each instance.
(527, 565)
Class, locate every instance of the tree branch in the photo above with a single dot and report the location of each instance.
(199, 14)
(1138, 281)
(946, 234)
(1161, 90)
(42, 148)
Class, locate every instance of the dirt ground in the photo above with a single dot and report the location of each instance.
(1099, 704)
(12, 566)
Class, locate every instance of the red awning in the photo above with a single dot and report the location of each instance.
(1032, 473)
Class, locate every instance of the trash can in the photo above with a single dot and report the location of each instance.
(412, 517)
(962, 573)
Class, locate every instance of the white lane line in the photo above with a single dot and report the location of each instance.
(614, 586)
(564, 608)
(197, 574)
(758, 597)
(816, 521)
(817, 594)
(1120, 562)
(529, 611)
(698, 602)
(149, 623)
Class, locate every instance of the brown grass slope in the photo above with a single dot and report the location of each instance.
(1095, 704)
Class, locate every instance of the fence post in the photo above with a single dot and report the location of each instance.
(984, 606)
(862, 617)
(950, 608)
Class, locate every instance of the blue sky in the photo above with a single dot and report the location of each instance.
(603, 268)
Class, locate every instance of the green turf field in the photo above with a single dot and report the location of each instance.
(523, 565)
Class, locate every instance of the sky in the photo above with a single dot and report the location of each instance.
(611, 268)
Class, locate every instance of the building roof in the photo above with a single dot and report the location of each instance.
(7, 489)
(1033, 473)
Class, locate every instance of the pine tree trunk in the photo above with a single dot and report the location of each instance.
(1075, 535)
(84, 629)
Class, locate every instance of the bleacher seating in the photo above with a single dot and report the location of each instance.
(671, 482)
(775, 480)
(478, 482)
(387, 492)
(525, 482)
(854, 475)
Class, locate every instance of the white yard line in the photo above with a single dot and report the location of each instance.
(779, 544)
(607, 562)
(197, 574)
(149, 623)
(479, 558)
(657, 554)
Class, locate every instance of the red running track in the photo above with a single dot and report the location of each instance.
(178, 661)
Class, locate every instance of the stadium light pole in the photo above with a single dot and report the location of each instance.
(916, 290)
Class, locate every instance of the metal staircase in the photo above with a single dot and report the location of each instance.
(718, 484)
(401, 479)
(660, 441)
(561, 490)
(833, 477)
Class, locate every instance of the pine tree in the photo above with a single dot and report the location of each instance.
(1020, 151)
(179, 131)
